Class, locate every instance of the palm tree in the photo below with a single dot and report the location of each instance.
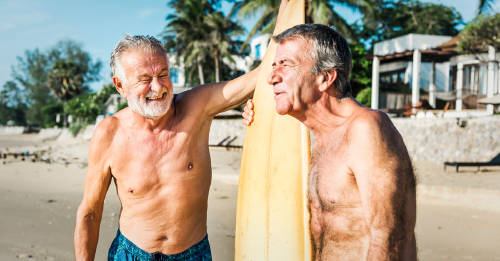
(65, 80)
(71, 71)
(318, 11)
(196, 32)
(484, 6)
(220, 43)
(186, 33)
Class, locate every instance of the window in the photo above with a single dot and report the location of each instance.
(393, 81)
(174, 75)
(257, 51)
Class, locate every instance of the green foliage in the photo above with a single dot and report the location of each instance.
(361, 68)
(87, 107)
(186, 34)
(11, 104)
(365, 97)
(197, 33)
(49, 115)
(219, 42)
(389, 19)
(31, 74)
(76, 126)
(319, 12)
(484, 6)
(71, 71)
(478, 34)
(60, 73)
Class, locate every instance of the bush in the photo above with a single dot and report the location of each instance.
(83, 108)
(49, 114)
(76, 126)
(86, 108)
(479, 34)
(365, 97)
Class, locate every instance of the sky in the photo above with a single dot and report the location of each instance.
(98, 25)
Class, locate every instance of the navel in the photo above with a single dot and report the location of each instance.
(190, 165)
(130, 190)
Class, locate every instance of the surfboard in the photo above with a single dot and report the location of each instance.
(272, 217)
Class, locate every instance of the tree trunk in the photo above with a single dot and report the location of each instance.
(216, 59)
(200, 71)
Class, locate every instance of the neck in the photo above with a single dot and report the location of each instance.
(327, 113)
(152, 124)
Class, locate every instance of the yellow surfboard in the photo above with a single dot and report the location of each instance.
(272, 217)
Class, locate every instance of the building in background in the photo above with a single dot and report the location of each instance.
(425, 71)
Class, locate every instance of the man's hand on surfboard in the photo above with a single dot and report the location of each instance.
(248, 112)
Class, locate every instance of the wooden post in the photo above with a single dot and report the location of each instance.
(375, 82)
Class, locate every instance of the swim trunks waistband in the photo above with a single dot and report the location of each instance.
(123, 249)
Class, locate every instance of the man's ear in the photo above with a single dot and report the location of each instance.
(327, 80)
(119, 87)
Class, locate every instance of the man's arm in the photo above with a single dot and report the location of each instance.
(383, 172)
(218, 97)
(89, 214)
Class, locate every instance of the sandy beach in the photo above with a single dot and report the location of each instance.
(458, 216)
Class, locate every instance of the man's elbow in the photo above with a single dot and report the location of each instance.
(87, 215)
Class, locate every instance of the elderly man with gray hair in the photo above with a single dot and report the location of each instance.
(156, 151)
(361, 182)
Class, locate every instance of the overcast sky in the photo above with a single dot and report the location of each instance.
(97, 25)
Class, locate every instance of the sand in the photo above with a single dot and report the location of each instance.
(38, 204)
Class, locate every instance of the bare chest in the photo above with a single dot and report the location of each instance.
(144, 163)
(332, 184)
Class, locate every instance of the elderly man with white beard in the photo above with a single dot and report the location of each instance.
(156, 151)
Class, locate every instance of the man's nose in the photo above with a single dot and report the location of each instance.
(156, 85)
(273, 78)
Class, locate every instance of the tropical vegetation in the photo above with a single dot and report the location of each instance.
(43, 80)
(482, 32)
(196, 32)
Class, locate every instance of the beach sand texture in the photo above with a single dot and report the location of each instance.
(458, 214)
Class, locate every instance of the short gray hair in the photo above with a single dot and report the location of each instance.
(330, 51)
(137, 42)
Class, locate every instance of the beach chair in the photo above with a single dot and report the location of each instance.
(457, 164)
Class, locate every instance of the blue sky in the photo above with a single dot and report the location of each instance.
(97, 25)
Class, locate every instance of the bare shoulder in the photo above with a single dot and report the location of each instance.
(189, 102)
(104, 134)
(371, 123)
(374, 131)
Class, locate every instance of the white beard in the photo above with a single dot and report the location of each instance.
(153, 110)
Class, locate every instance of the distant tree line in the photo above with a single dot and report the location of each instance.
(45, 82)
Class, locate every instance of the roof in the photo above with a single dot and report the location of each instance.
(452, 43)
(409, 42)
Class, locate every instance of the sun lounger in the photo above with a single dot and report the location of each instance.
(470, 164)
(457, 164)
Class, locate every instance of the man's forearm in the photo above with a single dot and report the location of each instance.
(86, 235)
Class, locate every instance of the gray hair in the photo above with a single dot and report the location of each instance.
(137, 42)
(330, 52)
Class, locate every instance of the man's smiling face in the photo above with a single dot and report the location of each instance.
(147, 83)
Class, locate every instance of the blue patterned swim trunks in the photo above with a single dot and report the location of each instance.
(123, 249)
